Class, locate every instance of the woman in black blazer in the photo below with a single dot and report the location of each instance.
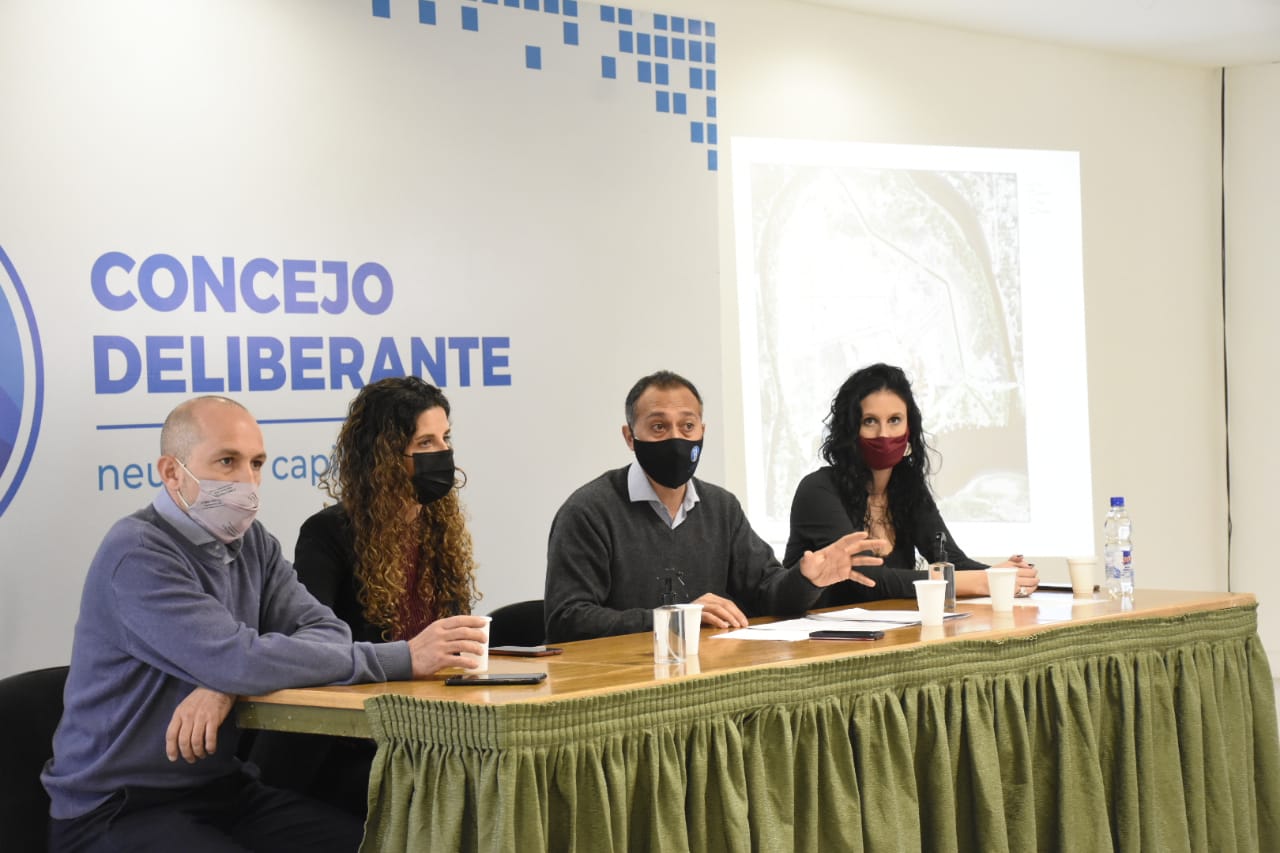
(877, 479)
(391, 557)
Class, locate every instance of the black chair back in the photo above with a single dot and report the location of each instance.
(30, 707)
(519, 624)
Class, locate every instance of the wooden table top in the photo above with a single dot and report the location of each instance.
(606, 665)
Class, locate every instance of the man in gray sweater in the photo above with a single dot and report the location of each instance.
(617, 540)
(187, 604)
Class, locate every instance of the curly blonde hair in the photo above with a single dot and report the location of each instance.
(369, 476)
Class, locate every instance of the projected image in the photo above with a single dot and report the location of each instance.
(850, 255)
(918, 269)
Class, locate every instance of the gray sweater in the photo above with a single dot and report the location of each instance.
(606, 557)
(166, 608)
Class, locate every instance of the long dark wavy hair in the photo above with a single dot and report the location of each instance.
(909, 484)
(368, 474)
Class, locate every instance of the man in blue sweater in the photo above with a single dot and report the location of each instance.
(617, 538)
(187, 604)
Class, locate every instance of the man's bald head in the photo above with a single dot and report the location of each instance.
(184, 427)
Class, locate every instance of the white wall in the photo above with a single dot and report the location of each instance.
(1148, 137)
(1147, 134)
(553, 209)
(1253, 349)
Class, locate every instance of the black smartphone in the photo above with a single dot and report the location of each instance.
(846, 635)
(490, 679)
(524, 651)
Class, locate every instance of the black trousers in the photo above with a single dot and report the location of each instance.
(333, 770)
(235, 813)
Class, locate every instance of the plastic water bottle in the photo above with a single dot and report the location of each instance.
(1117, 532)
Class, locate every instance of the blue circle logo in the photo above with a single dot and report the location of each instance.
(21, 382)
(693, 457)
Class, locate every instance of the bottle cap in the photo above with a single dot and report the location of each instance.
(1117, 501)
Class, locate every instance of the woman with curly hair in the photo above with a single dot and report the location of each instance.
(877, 480)
(392, 557)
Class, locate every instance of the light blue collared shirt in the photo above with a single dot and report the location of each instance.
(639, 489)
(192, 531)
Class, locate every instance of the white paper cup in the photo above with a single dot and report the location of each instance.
(483, 666)
(931, 595)
(1000, 582)
(692, 614)
(1082, 574)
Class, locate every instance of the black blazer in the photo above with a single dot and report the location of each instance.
(325, 557)
(818, 518)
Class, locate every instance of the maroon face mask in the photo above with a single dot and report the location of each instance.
(884, 452)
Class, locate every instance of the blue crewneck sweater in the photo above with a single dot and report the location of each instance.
(166, 607)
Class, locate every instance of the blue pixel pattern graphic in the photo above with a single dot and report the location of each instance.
(674, 56)
(21, 382)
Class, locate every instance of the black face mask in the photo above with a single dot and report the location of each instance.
(433, 475)
(671, 461)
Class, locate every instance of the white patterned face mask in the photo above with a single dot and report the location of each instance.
(225, 508)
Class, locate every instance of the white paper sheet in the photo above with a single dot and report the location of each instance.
(1052, 606)
(861, 614)
(799, 629)
(1045, 599)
